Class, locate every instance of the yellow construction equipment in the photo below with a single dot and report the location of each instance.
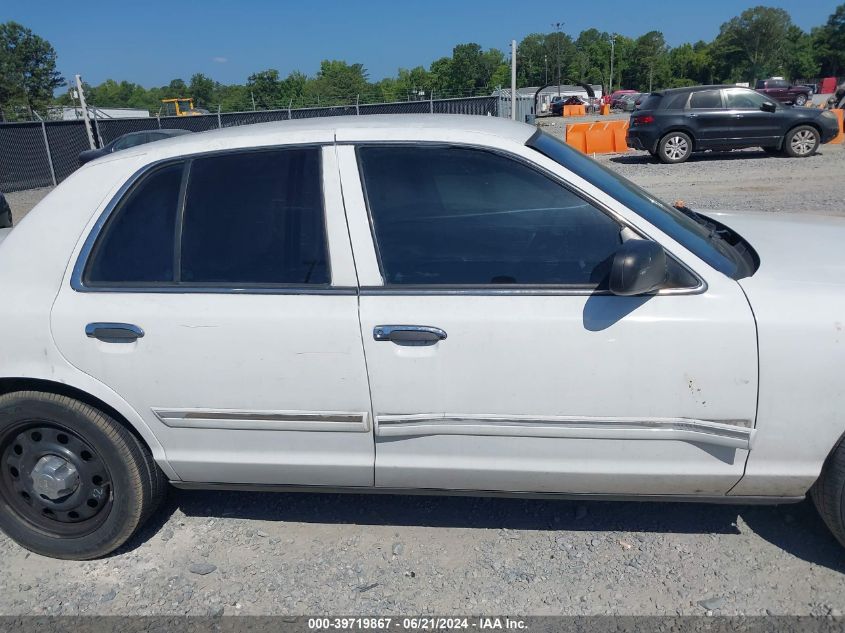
(180, 107)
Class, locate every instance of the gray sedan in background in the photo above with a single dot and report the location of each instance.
(128, 140)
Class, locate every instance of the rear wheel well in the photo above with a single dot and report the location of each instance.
(9, 385)
(678, 129)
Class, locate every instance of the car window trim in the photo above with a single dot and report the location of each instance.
(501, 289)
(78, 283)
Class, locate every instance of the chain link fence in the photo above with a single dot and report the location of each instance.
(42, 154)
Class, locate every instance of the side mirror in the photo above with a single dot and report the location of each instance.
(767, 106)
(639, 267)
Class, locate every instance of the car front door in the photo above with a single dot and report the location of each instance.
(708, 119)
(499, 361)
(218, 298)
(751, 125)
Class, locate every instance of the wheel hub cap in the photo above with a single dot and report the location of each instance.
(54, 477)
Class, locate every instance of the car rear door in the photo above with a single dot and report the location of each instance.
(496, 361)
(217, 296)
(708, 118)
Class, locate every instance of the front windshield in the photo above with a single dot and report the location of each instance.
(684, 229)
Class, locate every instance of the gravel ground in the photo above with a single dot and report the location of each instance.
(251, 553)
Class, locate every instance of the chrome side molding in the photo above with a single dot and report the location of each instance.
(265, 420)
(730, 433)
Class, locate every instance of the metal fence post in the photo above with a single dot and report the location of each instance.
(290, 103)
(431, 101)
(97, 128)
(357, 99)
(219, 121)
(49, 154)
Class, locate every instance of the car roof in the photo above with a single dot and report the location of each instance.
(172, 132)
(673, 91)
(388, 127)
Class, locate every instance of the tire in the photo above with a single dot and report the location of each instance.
(675, 147)
(801, 141)
(828, 492)
(75, 483)
(800, 100)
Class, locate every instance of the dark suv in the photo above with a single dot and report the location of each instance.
(783, 91)
(672, 124)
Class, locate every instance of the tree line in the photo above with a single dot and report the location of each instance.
(760, 42)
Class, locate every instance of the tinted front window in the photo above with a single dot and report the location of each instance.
(255, 218)
(449, 215)
(686, 231)
(136, 244)
(742, 99)
(705, 99)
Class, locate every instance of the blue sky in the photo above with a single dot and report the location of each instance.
(151, 42)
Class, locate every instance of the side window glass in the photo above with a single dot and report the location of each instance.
(459, 216)
(137, 243)
(255, 218)
(705, 100)
(739, 99)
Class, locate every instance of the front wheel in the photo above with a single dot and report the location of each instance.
(802, 141)
(800, 100)
(75, 483)
(828, 492)
(675, 147)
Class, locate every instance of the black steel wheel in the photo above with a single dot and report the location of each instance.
(54, 478)
(74, 482)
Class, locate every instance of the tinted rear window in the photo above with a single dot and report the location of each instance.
(255, 218)
(676, 101)
(650, 102)
(136, 245)
(705, 99)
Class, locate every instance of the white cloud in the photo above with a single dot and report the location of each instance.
(220, 60)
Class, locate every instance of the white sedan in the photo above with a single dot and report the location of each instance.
(438, 303)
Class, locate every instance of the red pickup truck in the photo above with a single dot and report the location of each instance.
(781, 90)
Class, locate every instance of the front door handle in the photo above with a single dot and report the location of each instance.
(409, 334)
(114, 332)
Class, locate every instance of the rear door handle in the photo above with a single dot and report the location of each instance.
(409, 334)
(114, 332)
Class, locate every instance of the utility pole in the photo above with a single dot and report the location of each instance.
(513, 80)
(612, 47)
(84, 107)
(557, 26)
(546, 64)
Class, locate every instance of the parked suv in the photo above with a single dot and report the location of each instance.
(781, 90)
(672, 124)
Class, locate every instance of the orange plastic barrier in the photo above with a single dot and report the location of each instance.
(598, 138)
(576, 135)
(574, 110)
(605, 109)
(840, 114)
